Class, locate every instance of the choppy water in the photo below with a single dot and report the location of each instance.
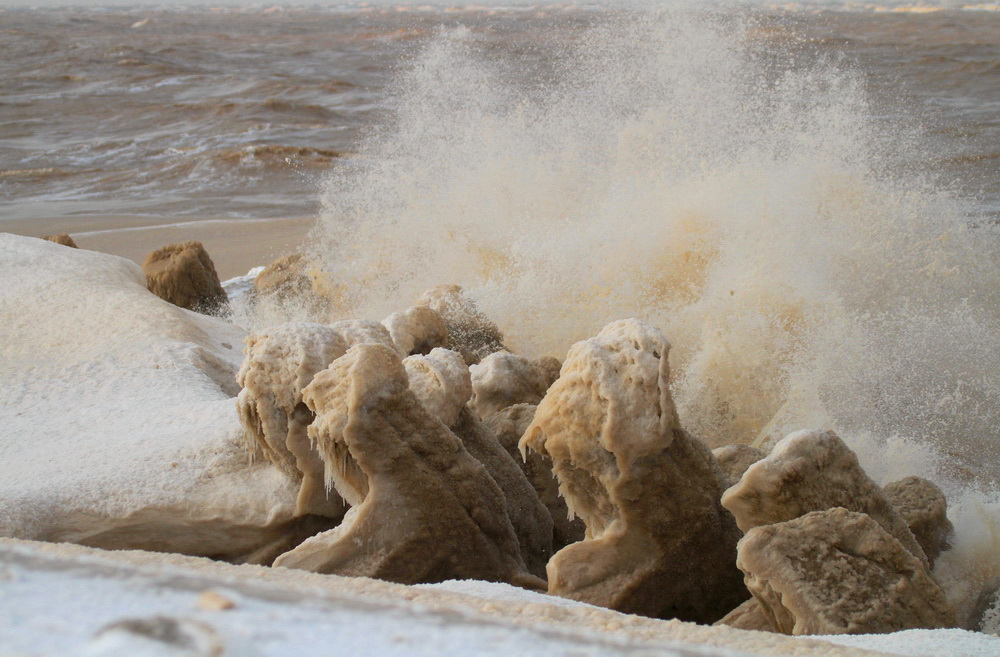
(240, 112)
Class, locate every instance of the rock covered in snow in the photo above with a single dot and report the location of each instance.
(812, 471)
(118, 409)
(279, 363)
(423, 509)
(658, 543)
(508, 426)
(924, 508)
(440, 380)
(503, 379)
(735, 459)
(417, 330)
(839, 572)
(364, 331)
(470, 332)
(748, 616)
(530, 518)
(184, 275)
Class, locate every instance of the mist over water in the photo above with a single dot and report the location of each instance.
(751, 208)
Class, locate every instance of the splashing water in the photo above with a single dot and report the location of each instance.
(670, 170)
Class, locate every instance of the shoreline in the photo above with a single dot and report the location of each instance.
(236, 245)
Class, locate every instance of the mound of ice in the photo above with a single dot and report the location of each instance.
(118, 426)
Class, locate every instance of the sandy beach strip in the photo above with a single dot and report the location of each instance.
(236, 245)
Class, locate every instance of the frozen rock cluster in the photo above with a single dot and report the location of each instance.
(419, 449)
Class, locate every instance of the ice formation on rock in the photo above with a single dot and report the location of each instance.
(839, 572)
(924, 508)
(470, 333)
(417, 330)
(812, 471)
(423, 509)
(503, 379)
(748, 616)
(735, 459)
(508, 426)
(364, 331)
(184, 275)
(279, 364)
(440, 380)
(284, 276)
(530, 518)
(118, 409)
(61, 238)
(658, 542)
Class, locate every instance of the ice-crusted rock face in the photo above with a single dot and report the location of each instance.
(184, 275)
(118, 409)
(735, 459)
(508, 426)
(748, 616)
(364, 331)
(470, 332)
(530, 518)
(417, 330)
(440, 380)
(423, 509)
(279, 363)
(285, 276)
(924, 508)
(839, 572)
(503, 379)
(812, 471)
(658, 542)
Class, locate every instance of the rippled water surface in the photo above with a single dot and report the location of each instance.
(241, 113)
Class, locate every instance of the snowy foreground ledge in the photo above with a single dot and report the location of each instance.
(71, 600)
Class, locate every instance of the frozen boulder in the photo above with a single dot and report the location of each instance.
(279, 363)
(530, 518)
(422, 508)
(184, 275)
(417, 330)
(364, 331)
(118, 410)
(62, 238)
(658, 543)
(285, 276)
(735, 459)
(470, 332)
(748, 616)
(812, 471)
(924, 508)
(508, 426)
(440, 380)
(839, 572)
(503, 379)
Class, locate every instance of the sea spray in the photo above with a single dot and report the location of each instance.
(752, 207)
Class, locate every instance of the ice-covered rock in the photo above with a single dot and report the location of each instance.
(503, 379)
(279, 363)
(440, 380)
(839, 572)
(658, 542)
(812, 471)
(118, 424)
(530, 518)
(924, 508)
(422, 508)
(470, 332)
(285, 276)
(735, 459)
(748, 616)
(364, 331)
(508, 426)
(417, 330)
(184, 275)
